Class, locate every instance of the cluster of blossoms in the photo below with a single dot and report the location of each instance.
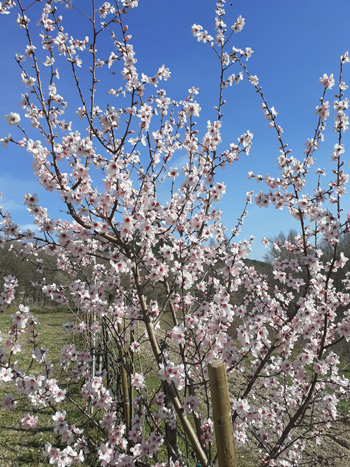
(159, 287)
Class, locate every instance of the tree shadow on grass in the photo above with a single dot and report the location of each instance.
(32, 431)
(23, 450)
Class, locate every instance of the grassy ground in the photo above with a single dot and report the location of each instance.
(19, 447)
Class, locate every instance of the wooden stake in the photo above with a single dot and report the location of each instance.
(222, 414)
(125, 384)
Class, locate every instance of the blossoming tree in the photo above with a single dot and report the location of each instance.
(159, 287)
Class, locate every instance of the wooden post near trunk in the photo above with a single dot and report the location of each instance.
(222, 414)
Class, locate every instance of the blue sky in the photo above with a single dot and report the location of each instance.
(294, 43)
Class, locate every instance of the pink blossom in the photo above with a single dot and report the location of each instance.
(29, 421)
(138, 380)
(190, 404)
(327, 81)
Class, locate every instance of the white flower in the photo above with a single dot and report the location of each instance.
(138, 380)
(5, 141)
(254, 80)
(49, 61)
(192, 109)
(345, 58)
(12, 118)
(6, 375)
(327, 81)
(173, 173)
(27, 80)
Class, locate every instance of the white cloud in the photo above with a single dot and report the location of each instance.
(32, 227)
(11, 205)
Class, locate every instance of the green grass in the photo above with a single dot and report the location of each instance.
(20, 447)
